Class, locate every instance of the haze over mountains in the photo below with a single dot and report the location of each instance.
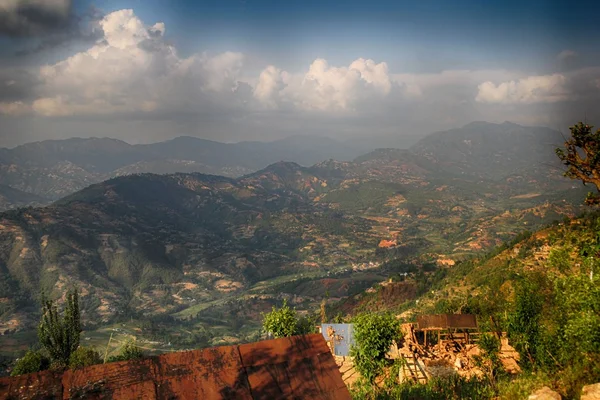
(200, 248)
(46, 171)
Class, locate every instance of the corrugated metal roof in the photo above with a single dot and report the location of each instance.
(299, 367)
(446, 321)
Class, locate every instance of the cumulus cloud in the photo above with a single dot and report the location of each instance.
(271, 83)
(325, 88)
(532, 89)
(132, 73)
(133, 70)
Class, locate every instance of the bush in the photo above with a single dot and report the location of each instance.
(129, 351)
(489, 359)
(373, 336)
(32, 361)
(84, 357)
(282, 322)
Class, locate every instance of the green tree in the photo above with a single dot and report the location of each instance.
(373, 336)
(524, 322)
(32, 361)
(284, 322)
(489, 359)
(581, 155)
(60, 335)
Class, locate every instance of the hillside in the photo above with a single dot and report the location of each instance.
(541, 289)
(492, 151)
(200, 248)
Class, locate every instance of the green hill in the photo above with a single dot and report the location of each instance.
(543, 288)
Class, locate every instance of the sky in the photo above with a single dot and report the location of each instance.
(234, 70)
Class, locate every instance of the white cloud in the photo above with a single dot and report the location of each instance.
(133, 73)
(269, 86)
(533, 89)
(132, 70)
(325, 88)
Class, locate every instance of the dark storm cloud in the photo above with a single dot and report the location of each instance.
(21, 18)
(51, 23)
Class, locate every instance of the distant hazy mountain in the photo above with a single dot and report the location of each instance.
(370, 142)
(56, 168)
(13, 198)
(491, 150)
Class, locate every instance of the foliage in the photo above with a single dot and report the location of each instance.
(582, 157)
(129, 351)
(284, 322)
(84, 357)
(373, 336)
(32, 361)
(524, 322)
(489, 360)
(60, 335)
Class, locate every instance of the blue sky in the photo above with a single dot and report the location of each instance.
(464, 32)
(389, 64)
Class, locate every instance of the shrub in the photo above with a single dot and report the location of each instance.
(32, 361)
(373, 336)
(282, 322)
(84, 357)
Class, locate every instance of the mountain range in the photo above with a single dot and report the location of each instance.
(211, 252)
(53, 169)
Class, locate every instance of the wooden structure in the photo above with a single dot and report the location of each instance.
(461, 328)
(412, 369)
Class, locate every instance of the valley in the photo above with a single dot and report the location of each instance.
(160, 256)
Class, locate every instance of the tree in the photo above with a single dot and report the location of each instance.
(60, 335)
(373, 336)
(284, 322)
(582, 157)
(489, 359)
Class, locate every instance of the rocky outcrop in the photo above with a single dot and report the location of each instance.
(591, 392)
(545, 393)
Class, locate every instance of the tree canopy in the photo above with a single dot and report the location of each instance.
(582, 157)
